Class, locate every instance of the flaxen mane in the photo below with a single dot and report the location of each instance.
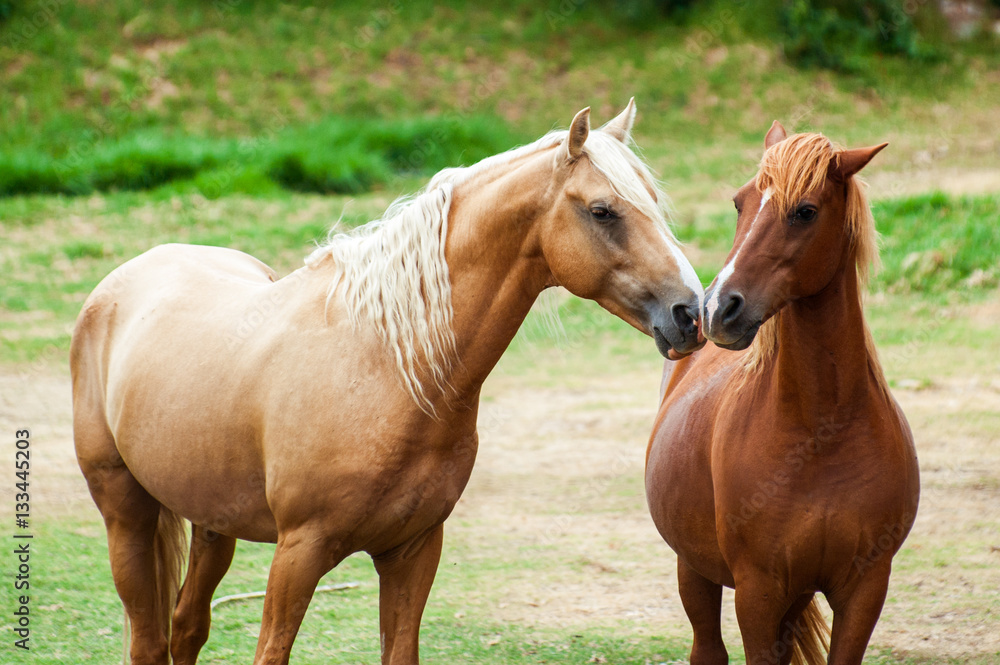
(394, 273)
(791, 169)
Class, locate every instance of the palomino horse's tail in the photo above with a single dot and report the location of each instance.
(812, 637)
(169, 546)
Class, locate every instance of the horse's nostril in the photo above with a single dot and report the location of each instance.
(685, 317)
(734, 307)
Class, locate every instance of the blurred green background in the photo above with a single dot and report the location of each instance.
(257, 125)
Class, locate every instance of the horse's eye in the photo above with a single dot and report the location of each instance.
(805, 214)
(602, 213)
(738, 209)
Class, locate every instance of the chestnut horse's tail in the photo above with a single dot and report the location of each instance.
(169, 546)
(812, 637)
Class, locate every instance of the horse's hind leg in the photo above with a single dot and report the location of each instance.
(141, 541)
(406, 574)
(796, 631)
(211, 556)
(702, 600)
(131, 517)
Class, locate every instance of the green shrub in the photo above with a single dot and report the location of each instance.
(839, 34)
(645, 11)
(233, 177)
(148, 160)
(349, 156)
(334, 156)
(31, 173)
(342, 170)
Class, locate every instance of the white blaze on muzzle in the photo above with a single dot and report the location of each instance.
(713, 303)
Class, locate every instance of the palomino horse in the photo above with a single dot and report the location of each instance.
(787, 469)
(334, 410)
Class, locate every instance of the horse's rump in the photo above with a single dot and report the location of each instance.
(155, 358)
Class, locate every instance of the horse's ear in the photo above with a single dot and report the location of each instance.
(621, 127)
(776, 134)
(579, 130)
(848, 162)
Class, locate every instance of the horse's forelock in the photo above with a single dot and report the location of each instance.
(793, 168)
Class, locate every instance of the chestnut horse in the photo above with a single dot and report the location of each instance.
(787, 469)
(334, 410)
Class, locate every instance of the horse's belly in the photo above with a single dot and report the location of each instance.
(681, 505)
(212, 483)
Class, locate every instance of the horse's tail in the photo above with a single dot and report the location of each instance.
(169, 546)
(811, 642)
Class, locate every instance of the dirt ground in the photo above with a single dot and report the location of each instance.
(556, 503)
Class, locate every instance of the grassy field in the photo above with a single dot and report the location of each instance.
(124, 125)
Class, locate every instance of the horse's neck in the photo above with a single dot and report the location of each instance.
(495, 267)
(822, 364)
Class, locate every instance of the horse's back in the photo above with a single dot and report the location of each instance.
(164, 271)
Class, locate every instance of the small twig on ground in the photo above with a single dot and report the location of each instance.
(260, 594)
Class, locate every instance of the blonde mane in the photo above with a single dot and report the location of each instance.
(394, 273)
(791, 169)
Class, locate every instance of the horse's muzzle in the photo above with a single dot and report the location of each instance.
(676, 329)
(728, 322)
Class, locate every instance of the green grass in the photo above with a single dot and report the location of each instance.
(936, 242)
(77, 616)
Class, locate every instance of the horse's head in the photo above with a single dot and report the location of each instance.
(605, 236)
(799, 221)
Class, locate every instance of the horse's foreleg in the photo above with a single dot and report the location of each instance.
(702, 600)
(855, 616)
(405, 577)
(211, 556)
(795, 628)
(301, 558)
(760, 610)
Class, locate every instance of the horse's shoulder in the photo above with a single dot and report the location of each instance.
(695, 387)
